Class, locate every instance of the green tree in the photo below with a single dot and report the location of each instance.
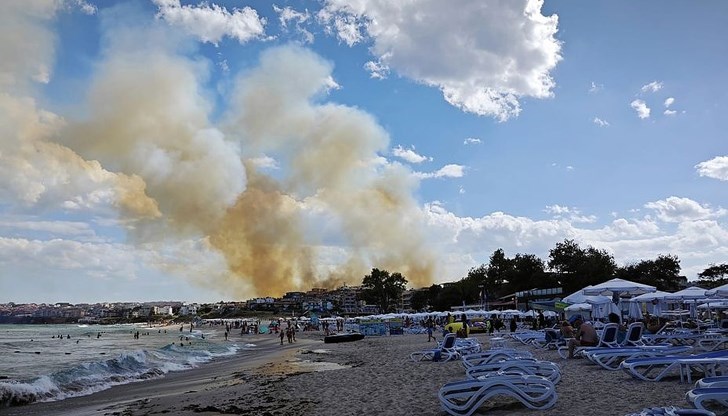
(383, 289)
(500, 269)
(715, 275)
(420, 299)
(663, 272)
(528, 272)
(579, 267)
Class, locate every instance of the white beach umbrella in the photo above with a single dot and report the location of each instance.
(635, 311)
(692, 293)
(580, 297)
(550, 313)
(578, 307)
(649, 297)
(719, 291)
(619, 286)
(720, 304)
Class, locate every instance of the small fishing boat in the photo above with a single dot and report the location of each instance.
(348, 337)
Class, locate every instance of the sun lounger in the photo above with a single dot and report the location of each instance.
(671, 411)
(705, 382)
(656, 368)
(488, 356)
(445, 352)
(716, 395)
(611, 358)
(525, 367)
(711, 342)
(608, 338)
(463, 398)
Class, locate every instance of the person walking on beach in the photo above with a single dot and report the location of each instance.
(282, 334)
(430, 326)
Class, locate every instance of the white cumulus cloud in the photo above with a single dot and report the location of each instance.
(641, 108)
(409, 155)
(676, 209)
(716, 168)
(669, 101)
(483, 56)
(599, 122)
(653, 86)
(472, 140)
(447, 171)
(210, 22)
(287, 15)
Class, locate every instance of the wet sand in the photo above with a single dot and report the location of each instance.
(371, 376)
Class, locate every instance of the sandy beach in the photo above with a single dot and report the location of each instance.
(371, 376)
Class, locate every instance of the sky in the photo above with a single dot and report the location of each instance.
(221, 150)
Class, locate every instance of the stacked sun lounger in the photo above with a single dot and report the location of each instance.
(501, 372)
(656, 368)
(711, 391)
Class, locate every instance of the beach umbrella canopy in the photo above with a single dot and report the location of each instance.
(690, 294)
(550, 313)
(635, 311)
(618, 286)
(580, 297)
(602, 310)
(577, 307)
(511, 312)
(722, 304)
(719, 291)
(649, 297)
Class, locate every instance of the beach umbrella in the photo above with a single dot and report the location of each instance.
(635, 311)
(649, 297)
(578, 307)
(692, 293)
(689, 295)
(580, 297)
(618, 286)
(530, 314)
(602, 310)
(719, 291)
(550, 314)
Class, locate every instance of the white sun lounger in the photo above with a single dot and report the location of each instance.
(463, 398)
(611, 358)
(545, 369)
(656, 368)
(488, 356)
(672, 411)
(717, 395)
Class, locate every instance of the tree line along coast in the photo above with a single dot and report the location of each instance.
(569, 267)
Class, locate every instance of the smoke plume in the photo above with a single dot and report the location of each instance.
(151, 142)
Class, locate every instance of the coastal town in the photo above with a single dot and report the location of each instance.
(345, 300)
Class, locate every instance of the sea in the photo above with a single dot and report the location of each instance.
(54, 362)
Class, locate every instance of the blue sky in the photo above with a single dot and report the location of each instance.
(170, 149)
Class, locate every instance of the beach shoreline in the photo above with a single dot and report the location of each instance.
(373, 375)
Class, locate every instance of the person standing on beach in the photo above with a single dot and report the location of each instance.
(282, 334)
(430, 325)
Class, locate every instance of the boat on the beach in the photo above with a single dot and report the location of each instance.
(353, 336)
